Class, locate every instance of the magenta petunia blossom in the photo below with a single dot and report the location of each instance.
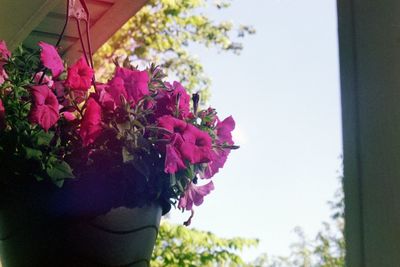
(219, 155)
(51, 59)
(197, 145)
(135, 83)
(167, 101)
(69, 116)
(218, 159)
(224, 130)
(4, 52)
(172, 124)
(79, 76)
(116, 88)
(60, 92)
(194, 194)
(46, 79)
(176, 127)
(91, 123)
(3, 73)
(179, 92)
(4, 56)
(105, 99)
(173, 158)
(45, 107)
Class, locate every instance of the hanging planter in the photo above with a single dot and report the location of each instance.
(88, 168)
(32, 234)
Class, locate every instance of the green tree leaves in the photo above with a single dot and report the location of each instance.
(162, 31)
(178, 246)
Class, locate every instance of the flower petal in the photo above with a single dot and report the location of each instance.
(51, 59)
(44, 110)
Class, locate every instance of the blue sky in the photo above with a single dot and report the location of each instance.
(283, 91)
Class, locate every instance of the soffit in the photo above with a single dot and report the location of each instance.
(31, 21)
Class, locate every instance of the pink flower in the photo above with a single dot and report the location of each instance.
(79, 76)
(51, 59)
(219, 155)
(135, 83)
(224, 130)
(69, 116)
(194, 195)
(4, 56)
(218, 159)
(78, 96)
(173, 159)
(184, 98)
(91, 122)
(116, 88)
(60, 92)
(2, 115)
(106, 100)
(45, 107)
(197, 145)
(172, 124)
(3, 73)
(167, 101)
(4, 52)
(46, 79)
(59, 88)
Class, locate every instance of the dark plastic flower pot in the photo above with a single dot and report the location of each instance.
(32, 235)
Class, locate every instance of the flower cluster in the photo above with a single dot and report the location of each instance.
(135, 128)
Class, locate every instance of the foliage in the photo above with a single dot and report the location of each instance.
(178, 246)
(162, 31)
(26, 149)
(136, 138)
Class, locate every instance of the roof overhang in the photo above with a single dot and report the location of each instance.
(31, 21)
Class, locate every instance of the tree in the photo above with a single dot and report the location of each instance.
(178, 246)
(162, 31)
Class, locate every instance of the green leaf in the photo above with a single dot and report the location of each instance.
(32, 153)
(189, 172)
(59, 171)
(38, 178)
(44, 138)
(172, 178)
(122, 127)
(126, 156)
(58, 182)
(180, 186)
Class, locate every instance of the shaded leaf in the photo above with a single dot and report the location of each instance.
(32, 153)
(59, 171)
